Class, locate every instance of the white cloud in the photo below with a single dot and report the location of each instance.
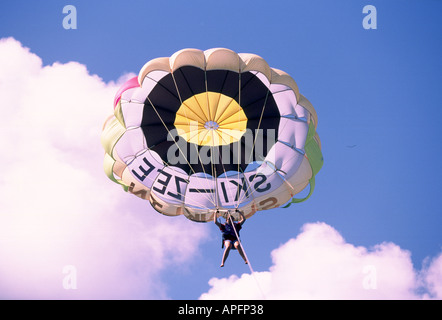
(320, 264)
(57, 207)
(432, 277)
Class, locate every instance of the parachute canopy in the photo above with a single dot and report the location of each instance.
(212, 130)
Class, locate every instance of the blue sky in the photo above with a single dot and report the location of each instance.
(377, 95)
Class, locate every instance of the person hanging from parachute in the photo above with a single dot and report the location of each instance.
(230, 234)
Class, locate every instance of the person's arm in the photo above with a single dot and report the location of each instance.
(215, 219)
(243, 219)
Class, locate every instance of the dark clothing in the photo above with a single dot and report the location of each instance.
(229, 233)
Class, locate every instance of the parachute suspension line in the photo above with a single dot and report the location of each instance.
(259, 122)
(185, 114)
(239, 142)
(196, 147)
(212, 157)
(253, 148)
(214, 174)
(168, 131)
(247, 258)
(229, 192)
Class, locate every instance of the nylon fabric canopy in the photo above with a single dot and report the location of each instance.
(212, 130)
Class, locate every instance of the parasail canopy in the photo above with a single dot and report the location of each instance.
(212, 130)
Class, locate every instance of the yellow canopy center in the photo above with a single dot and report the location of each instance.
(210, 118)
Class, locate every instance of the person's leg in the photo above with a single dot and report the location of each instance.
(227, 247)
(238, 247)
